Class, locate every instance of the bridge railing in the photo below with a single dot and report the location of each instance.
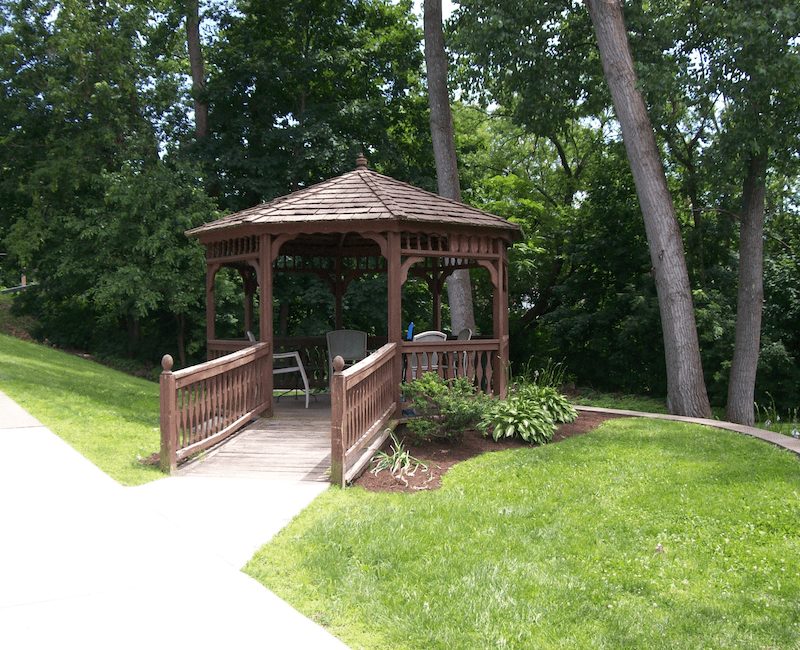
(363, 400)
(204, 404)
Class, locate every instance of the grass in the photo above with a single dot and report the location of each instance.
(108, 416)
(642, 534)
(590, 397)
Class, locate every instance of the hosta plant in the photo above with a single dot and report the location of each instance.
(515, 417)
(530, 412)
(554, 402)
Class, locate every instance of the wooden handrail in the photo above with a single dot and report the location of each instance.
(477, 359)
(358, 371)
(203, 404)
(455, 346)
(363, 400)
(222, 364)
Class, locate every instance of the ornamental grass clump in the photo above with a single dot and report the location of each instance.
(398, 460)
(530, 413)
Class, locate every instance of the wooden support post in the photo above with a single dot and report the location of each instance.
(338, 292)
(394, 288)
(337, 424)
(500, 325)
(437, 296)
(169, 417)
(249, 286)
(211, 306)
(265, 311)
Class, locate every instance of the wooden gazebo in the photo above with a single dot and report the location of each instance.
(380, 225)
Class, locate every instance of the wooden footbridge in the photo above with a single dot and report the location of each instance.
(294, 444)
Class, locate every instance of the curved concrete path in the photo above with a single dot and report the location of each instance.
(87, 563)
(787, 442)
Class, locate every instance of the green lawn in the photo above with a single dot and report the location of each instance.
(558, 547)
(108, 416)
(589, 397)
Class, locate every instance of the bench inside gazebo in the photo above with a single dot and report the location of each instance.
(359, 223)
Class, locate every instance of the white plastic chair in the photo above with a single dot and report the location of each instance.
(295, 365)
(428, 360)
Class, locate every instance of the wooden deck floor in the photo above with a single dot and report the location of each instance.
(293, 445)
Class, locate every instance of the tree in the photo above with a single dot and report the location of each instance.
(728, 73)
(197, 67)
(459, 288)
(98, 209)
(755, 49)
(686, 391)
(297, 89)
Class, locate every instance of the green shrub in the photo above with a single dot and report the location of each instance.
(444, 409)
(530, 412)
(515, 417)
(554, 402)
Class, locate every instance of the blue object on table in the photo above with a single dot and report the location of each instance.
(410, 335)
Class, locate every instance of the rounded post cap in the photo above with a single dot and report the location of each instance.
(167, 362)
(361, 161)
(338, 363)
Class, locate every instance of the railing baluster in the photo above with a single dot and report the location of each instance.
(212, 400)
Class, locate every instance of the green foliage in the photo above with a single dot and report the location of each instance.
(95, 201)
(398, 460)
(556, 404)
(516, 417)
(297, 89)
(769, 416)
(642, 534)
(101, 173)
(552, 374)
(444, 409)
(530, 412)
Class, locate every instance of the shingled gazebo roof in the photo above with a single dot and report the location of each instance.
(360, 196)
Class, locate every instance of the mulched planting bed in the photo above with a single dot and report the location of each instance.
(440, 456)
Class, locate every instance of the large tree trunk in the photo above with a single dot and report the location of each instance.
(686, 390)
(742, 382)
(198, 68)
(459, 289)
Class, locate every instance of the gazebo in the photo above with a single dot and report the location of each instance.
(380, 225)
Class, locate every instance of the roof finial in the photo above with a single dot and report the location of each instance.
(361, 161)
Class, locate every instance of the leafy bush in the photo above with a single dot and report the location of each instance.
(530, 412)
(445, 409)
(554, 402)
(520, 418)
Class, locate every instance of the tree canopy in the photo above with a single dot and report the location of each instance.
(103, 168)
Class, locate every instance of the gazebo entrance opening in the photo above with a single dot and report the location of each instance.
(314, 293)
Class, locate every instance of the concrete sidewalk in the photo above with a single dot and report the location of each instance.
(85, 562)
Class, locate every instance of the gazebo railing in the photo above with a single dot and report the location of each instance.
(478, 360)
(204, 404)
(216, 348)
(363, 401)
